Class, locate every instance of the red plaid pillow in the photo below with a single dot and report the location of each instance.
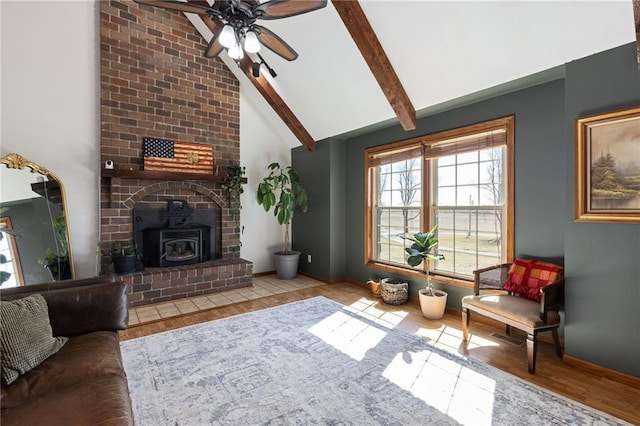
(526, 276)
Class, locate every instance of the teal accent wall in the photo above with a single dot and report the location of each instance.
(602, 293)
(539, 166)
(320, 232)
(602, 261)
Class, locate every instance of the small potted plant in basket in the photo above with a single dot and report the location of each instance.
(432, 302)
(376, 287)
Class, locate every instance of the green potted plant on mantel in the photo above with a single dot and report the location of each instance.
(432, 302)
(282, 191)
(124, 256)
(232, 184)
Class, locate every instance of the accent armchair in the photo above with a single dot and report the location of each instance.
(525, 294)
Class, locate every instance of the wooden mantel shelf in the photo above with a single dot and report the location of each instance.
(158, 175)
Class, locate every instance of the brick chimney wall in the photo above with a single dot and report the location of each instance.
(155, 81)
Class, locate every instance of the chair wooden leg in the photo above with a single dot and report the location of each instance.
(556, 342)
(465, 323)
(508, 329)
(532, 349)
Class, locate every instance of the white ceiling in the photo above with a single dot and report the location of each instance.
(440, 50)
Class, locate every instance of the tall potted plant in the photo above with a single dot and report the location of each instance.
(432, 302)
(282, 191)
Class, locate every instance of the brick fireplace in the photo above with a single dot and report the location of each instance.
(156, 83)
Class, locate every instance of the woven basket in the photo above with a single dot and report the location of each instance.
(395, 292)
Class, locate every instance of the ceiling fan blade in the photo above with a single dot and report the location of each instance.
(276, 9)
(274, 43)
(176, 5)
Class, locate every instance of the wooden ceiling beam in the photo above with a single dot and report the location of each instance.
(269, 93)
(636, 19)
(278, 104)
(374, 55)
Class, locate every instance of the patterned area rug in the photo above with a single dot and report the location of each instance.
(318, 362)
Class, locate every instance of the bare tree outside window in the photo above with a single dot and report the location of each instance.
(410, 185)
(493, 190)
(382, 179)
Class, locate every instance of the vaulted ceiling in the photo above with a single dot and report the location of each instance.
(385, 61)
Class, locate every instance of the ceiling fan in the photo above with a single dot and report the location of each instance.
(239, 32)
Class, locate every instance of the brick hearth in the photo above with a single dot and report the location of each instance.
(161, 284)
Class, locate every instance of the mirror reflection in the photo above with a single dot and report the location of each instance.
(34, 238)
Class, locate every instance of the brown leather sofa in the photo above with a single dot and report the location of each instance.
(84, 383)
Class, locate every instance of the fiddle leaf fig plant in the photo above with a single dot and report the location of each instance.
(421, 250)
(281, 190)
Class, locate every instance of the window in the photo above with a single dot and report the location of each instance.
(460, 179)
(10, 270)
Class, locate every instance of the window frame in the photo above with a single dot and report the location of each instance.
(376, 156)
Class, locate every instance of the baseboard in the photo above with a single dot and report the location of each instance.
(601, 371)
(354, 282)
(262, 274)
(324, 280)
(306, 274)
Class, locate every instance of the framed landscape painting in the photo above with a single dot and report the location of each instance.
(608, 167)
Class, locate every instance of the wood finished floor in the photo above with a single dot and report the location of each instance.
(601, 393)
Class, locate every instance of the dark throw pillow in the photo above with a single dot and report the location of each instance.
(26, 338)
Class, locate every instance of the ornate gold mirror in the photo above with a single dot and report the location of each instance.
(34, 238)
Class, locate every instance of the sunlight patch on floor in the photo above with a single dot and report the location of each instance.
(478, 342)
(349, 335)
(370, 309)
(462, 394)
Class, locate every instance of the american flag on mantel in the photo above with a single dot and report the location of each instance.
(175, 156)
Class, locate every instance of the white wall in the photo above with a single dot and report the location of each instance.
(50, 104)
(51, 113)
(264, 140)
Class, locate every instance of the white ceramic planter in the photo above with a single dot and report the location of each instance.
(433, 306)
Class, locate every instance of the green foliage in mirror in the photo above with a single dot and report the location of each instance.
(61, 252)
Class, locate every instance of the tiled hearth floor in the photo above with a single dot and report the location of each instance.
(267, 285)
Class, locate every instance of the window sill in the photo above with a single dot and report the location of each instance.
(454, 282)
(440, 279)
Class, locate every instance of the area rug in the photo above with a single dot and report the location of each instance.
(316, 362)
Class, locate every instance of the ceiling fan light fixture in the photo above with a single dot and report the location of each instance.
(236, 52)
(255, 68)
(251, 43)
(228, 36)
(238, 21)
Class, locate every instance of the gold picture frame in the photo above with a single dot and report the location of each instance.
(608, 167)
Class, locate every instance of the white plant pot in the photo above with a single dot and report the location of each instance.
(433, 306)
